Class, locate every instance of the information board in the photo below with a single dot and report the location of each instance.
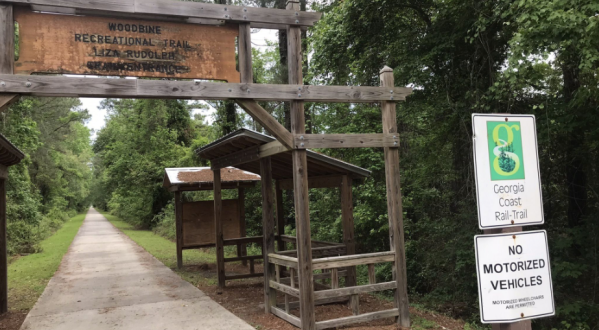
(514, 276)
(52, 43)
(506, 161)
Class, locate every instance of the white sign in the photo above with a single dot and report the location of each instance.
(514, 276)
(508, 180)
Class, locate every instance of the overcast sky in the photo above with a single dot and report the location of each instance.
(98, 119)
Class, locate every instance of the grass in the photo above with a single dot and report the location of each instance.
(29, 275)
(165, 251)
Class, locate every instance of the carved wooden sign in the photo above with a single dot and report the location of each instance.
(50, 43)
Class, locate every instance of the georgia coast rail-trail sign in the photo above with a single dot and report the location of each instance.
(508, 182)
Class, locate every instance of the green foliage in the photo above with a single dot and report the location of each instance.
(52, 182)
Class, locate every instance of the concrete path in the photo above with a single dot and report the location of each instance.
(106, 281)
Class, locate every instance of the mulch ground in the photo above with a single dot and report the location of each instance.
(245, 298)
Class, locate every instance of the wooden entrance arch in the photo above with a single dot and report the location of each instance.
(246, 94)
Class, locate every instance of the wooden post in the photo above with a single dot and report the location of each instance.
(268, 227)
(7, 58)
(179, 228)
(280, 216)
(522, 325)
(245, 54)
(394, 205)
(242, 247)
(347, 216)
(218, 228)
(300, 180)
(3, 256)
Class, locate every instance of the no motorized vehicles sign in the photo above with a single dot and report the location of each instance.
(514, 276)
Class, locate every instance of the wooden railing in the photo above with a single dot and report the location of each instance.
(239, 242)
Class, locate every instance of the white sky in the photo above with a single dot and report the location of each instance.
(98, 116)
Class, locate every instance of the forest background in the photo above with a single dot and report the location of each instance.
(460, 56)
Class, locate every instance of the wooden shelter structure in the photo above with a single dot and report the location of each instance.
(195, 220)
(323, 172)
(9, 155)
(295, 142)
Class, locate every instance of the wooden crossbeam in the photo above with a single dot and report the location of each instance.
(6, 100)
(267, 121)
(310, 141)
(172, 89)
(165, 8)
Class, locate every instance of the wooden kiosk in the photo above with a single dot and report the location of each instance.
(323, 172)
(80, 52)
(195, 220)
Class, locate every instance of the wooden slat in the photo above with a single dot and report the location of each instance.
(197, 246)
(319, 252)
(394, 205)
(284, 288)
(157, 8)
(175, 89)
(371, 274)
(355, 290)
(179, 228)
(218, 228)
(287, 317)
(327, 181)
(267, 121)
(320, 276)
(354, 260)
(7, 58)
(356, 319)
(295, 304)
(268, 228)
(314, 141)
(233, 259)
(279, 211)
(241, 247)
(282, 260)
(347, 216)
(242, 276)
(242, 240)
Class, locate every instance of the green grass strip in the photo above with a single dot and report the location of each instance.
(29, 275)
(166, 251)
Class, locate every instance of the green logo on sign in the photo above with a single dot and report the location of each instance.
(505, 150)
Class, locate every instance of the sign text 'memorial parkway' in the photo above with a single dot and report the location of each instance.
(507, 171)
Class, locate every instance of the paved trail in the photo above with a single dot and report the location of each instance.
(106, 281)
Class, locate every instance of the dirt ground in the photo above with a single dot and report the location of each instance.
(245, 299)
(12, 320)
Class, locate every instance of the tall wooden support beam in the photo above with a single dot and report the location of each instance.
(394, 205)
(347, 217)
(280, 212)
(300, 181)
(179, 228)
(268, 227)
(3, 256)
(7, 54)
(242, 247)
(218, 228)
